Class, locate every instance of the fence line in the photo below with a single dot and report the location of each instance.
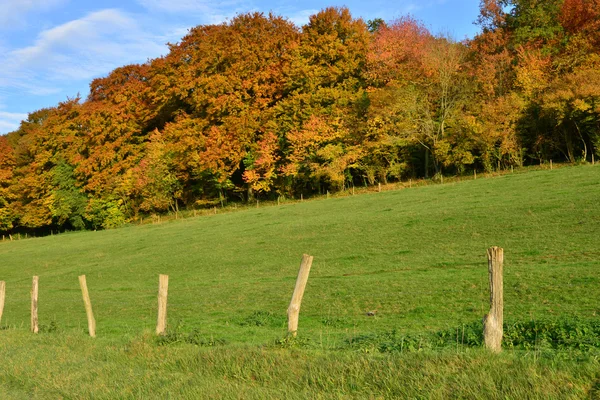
(492, 329)
(34, 305)
(163, 288)
(88, 306)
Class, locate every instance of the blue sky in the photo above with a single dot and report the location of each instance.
(52, 49)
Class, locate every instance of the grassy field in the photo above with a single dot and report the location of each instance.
(416, 256)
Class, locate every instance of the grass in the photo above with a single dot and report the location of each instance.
(416, 256)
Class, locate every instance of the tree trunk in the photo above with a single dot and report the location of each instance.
(426, 163)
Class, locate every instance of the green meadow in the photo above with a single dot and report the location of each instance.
(415, 258)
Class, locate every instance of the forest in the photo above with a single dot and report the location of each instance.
(256, 108)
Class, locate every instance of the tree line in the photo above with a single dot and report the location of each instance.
(257, 107)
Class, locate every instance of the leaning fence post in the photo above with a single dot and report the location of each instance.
(88, 306)
(2, 296)
(493, 321)
(34, 305)
(163, 288)
(294, 308)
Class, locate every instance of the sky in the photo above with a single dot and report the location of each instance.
(50, 50)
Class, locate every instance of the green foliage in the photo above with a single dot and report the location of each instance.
(69, 202)
(262, 318)
(105, 214)
(562, 333)
(535, 21)
(52, 327)
(177, 335)
(291, 342)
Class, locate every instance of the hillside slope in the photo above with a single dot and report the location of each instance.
(417, 256)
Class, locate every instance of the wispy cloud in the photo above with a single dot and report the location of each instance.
(13, 12)
(301, 17)
(194, 6)
(10, 121)
(78, 50)
(205, 11)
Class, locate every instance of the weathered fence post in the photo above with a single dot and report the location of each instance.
(2, 296)
(163, 288)
(550, 164)
(494, 320)
(34, 305)
(379, 187)
(88, 306)
(474, 174)
(293, 311)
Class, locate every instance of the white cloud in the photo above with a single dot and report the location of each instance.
(10, 121)
(12, 12)
(79, 50)
(194, 6)
(203, 11)
(300, 18)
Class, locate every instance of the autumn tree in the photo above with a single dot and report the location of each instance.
(7, 164)
(326, 97)
(424, 79)
(227, 79)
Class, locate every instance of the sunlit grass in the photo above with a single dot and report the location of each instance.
(416, 256)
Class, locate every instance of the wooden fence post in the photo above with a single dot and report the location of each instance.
(2, 296)
(163, 288)
(494, 320)
(34, 305)
(88, 306)
(293, 311)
